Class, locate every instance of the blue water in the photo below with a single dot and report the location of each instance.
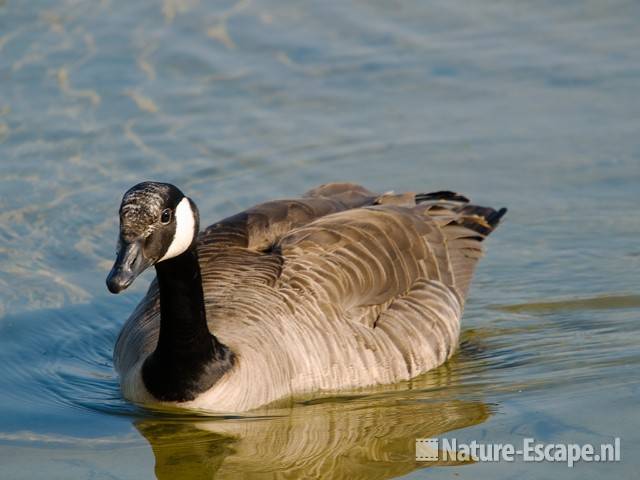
(532, 105)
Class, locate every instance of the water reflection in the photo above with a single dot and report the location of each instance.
(603, 302)
(359, 437)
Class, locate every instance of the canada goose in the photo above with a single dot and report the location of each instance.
(342, 288)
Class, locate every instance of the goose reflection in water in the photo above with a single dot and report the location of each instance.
(365, 436)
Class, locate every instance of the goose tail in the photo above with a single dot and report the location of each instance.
(464, 226)
(482, 220)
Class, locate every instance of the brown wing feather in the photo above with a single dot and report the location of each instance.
(260, 227)
(370, 256)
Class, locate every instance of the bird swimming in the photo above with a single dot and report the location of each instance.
(339, 289)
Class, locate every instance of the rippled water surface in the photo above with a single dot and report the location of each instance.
(532, 105)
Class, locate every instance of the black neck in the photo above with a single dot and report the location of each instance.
(188, 358)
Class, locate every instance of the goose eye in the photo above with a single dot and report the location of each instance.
(166, 216)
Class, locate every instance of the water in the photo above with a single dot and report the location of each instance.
(532, 105)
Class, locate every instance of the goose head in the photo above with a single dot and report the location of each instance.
(157, 223)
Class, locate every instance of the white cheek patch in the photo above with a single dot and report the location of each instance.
(185, 229)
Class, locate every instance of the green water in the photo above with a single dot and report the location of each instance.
(531, 105)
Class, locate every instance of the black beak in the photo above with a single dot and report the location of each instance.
(130, 263)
